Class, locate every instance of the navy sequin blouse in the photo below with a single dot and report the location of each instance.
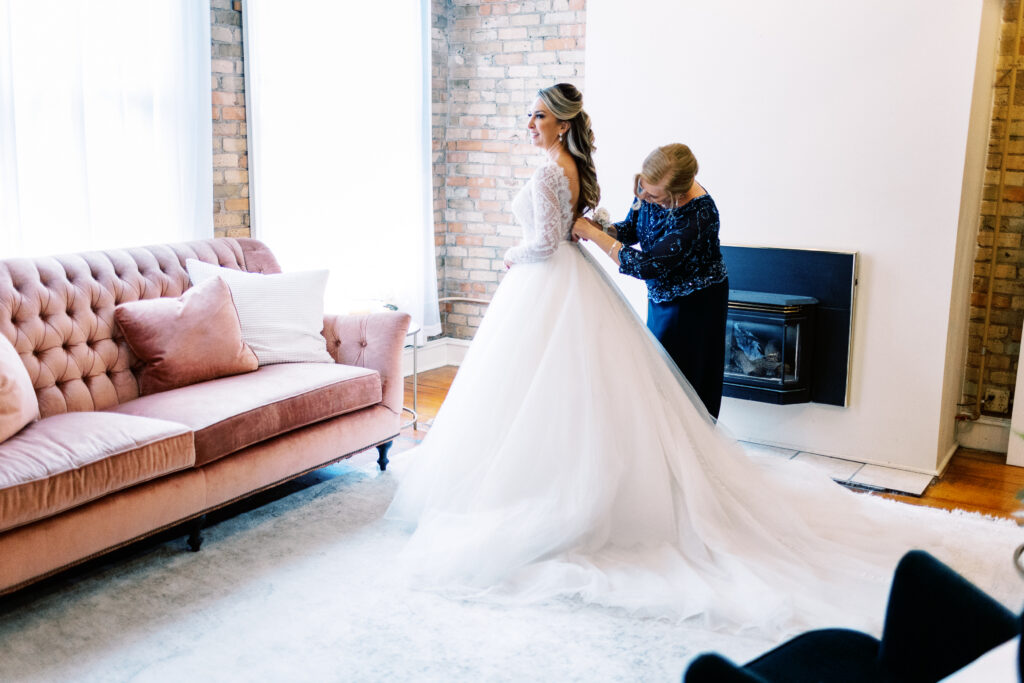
(680, 254)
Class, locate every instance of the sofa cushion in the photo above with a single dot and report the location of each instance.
(69, 459)
(188, 339)
(282, 315)
(18, 404)
(230, 413)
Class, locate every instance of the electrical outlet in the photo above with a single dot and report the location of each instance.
(997, 400)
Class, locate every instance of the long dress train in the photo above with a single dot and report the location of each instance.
(571, 459)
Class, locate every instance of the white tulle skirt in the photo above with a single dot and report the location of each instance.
(570, 459)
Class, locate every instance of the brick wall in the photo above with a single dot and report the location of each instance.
(230, 150)
(499, 54)
(1006, 272)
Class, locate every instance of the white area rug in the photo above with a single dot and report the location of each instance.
(303, 589)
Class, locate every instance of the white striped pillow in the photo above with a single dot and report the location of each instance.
(281, 315)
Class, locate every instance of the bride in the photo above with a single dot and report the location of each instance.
(571, 459)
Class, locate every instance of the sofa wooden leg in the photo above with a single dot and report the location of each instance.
(195, 533)
(383, 449)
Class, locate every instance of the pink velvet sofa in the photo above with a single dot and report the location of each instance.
(103, 467)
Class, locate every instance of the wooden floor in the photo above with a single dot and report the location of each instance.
(978, 481)
(433, 387)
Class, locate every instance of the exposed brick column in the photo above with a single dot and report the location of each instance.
(500, 54)
(230, 148)
(1007, 313)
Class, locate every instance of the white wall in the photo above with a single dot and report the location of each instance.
(963, 267)
(823, 125)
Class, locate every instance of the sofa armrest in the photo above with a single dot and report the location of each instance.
(375, 341)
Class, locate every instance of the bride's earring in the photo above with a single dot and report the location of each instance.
(559, 137)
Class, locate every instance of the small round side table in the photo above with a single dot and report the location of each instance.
(414, 329)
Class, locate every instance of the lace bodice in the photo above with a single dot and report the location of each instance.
(543, 209)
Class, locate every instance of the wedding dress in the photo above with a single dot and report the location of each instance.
(571, 459)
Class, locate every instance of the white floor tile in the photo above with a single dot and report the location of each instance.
(888, 478)
(764, 449)
(837, 468)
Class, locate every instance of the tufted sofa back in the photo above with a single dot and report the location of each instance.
(58, 312)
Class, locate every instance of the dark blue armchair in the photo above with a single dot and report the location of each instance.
(936, 622)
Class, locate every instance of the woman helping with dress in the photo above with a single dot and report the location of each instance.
(571, 458)
(675, 221)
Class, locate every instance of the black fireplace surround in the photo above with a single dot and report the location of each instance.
(789, 326)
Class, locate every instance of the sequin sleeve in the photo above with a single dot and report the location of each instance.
(679, 249)
(625, 230)
(689, 240)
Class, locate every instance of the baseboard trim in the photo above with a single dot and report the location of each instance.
(946, 459)
(827, 453)
(985, 434)
(435, 354)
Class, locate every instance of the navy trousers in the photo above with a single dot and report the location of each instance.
(692, 330)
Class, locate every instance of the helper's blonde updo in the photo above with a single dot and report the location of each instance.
(674, 165)
(566, 103)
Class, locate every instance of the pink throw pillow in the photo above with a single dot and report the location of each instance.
(18, 403)
(190, 339)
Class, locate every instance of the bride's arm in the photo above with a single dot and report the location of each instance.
(547, 216)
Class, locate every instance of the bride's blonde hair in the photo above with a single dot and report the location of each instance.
(566, 103)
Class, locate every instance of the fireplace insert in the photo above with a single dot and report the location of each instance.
(768, 342)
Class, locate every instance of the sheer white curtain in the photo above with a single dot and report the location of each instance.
(338, 107)
(105, 126)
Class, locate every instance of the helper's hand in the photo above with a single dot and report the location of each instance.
(584, 228)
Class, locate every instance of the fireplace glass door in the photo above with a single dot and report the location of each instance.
(766, 351)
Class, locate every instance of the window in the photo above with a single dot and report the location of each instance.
(339, 142)
(105, 127)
